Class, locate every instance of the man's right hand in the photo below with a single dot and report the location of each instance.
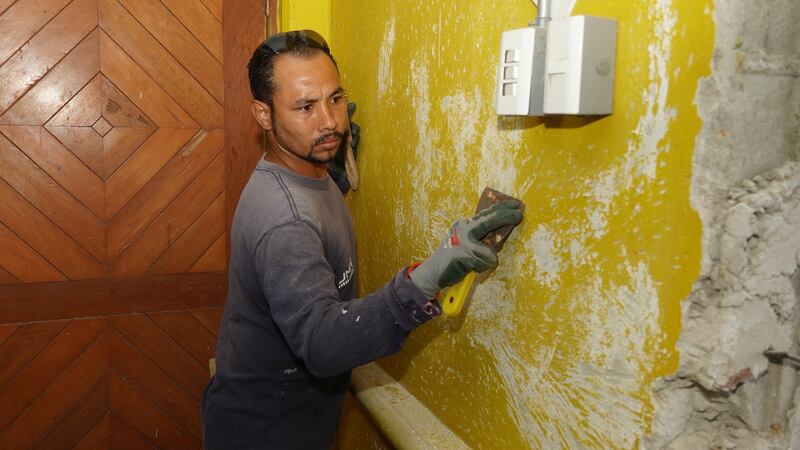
(462, 251)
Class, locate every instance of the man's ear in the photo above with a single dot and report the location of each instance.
(262, 113)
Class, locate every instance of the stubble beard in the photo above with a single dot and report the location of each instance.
(309, 157)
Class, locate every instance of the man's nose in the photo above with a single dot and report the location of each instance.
(327, 116)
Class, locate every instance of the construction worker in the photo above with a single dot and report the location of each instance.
(293, 328)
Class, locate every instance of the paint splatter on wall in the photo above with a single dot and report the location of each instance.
(559, 345)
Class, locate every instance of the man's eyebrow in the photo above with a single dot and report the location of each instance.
(305, 101)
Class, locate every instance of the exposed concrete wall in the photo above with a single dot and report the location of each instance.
(746, 188)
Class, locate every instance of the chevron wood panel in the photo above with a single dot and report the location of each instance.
(36, 230)
(33, 183)
(60, 164)
(158, 63)
(180, 42)
(7, 331)
(23, 345)
(215, 6)
(213, 259)
(154, 101)
(54, 40)
(55, 88)
(23, 261)
(194, 242)
(87, 383)
(109, 112)
(26, 22)
(79, 421)
(115, 198)
(204, 25)
(7, 278)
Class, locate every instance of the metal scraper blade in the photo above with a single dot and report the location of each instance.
(489, 197)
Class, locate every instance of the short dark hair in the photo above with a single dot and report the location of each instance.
(260, 69)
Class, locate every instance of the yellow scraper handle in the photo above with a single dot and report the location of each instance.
(456, 295)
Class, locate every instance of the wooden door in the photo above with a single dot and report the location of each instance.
(124, 144)
(111, 150)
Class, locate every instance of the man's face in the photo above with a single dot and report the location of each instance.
(309, 114)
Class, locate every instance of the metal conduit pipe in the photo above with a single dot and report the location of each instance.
(542, 13)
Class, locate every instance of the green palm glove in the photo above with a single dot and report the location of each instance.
(462, 251)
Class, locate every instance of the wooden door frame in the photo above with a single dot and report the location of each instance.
(242, 32)
(244, 28)
(273, 16)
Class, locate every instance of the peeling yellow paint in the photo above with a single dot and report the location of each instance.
(559, 345)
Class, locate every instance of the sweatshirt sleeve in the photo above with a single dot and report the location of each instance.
(329, 335)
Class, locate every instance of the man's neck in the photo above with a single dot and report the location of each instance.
(296, 164)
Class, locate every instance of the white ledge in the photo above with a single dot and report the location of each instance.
(405, 421)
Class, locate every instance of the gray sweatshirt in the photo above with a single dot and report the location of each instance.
(292, 328)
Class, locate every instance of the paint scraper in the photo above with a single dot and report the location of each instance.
(455, 296)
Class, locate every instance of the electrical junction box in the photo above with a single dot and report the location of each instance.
(520, 73)
(579, 65)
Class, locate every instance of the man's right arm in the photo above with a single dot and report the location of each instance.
(331, 336)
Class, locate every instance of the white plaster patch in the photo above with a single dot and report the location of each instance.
(400, 220)
(425, 151)
(497, 167)
(431, 219)
(576, 252)
(603, 192)
(499, 160)
(596, 400)
(643, 151)
(491, 326)
(385, 60)
(462, 114)
(622, 322)
(547, 261)
(640, 160)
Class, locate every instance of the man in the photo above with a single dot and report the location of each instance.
(292, 328)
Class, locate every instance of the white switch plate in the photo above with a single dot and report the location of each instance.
(579, 68)
(520, 72)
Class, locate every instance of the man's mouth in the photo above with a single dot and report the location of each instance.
(330, 140)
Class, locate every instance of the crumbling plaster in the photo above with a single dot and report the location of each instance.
(746, 189)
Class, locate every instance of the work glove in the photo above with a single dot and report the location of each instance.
(343, 169)
(462, 251)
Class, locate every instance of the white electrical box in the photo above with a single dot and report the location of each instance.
(520, 73)
(579, 67)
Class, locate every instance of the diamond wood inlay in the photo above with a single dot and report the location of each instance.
(101, 107)
(102, 126)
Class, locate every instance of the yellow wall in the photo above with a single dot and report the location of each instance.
(311, 14)
(559, 345)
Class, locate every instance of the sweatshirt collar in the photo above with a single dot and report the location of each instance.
(315, 183)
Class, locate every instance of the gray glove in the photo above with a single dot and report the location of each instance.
(462, 251)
